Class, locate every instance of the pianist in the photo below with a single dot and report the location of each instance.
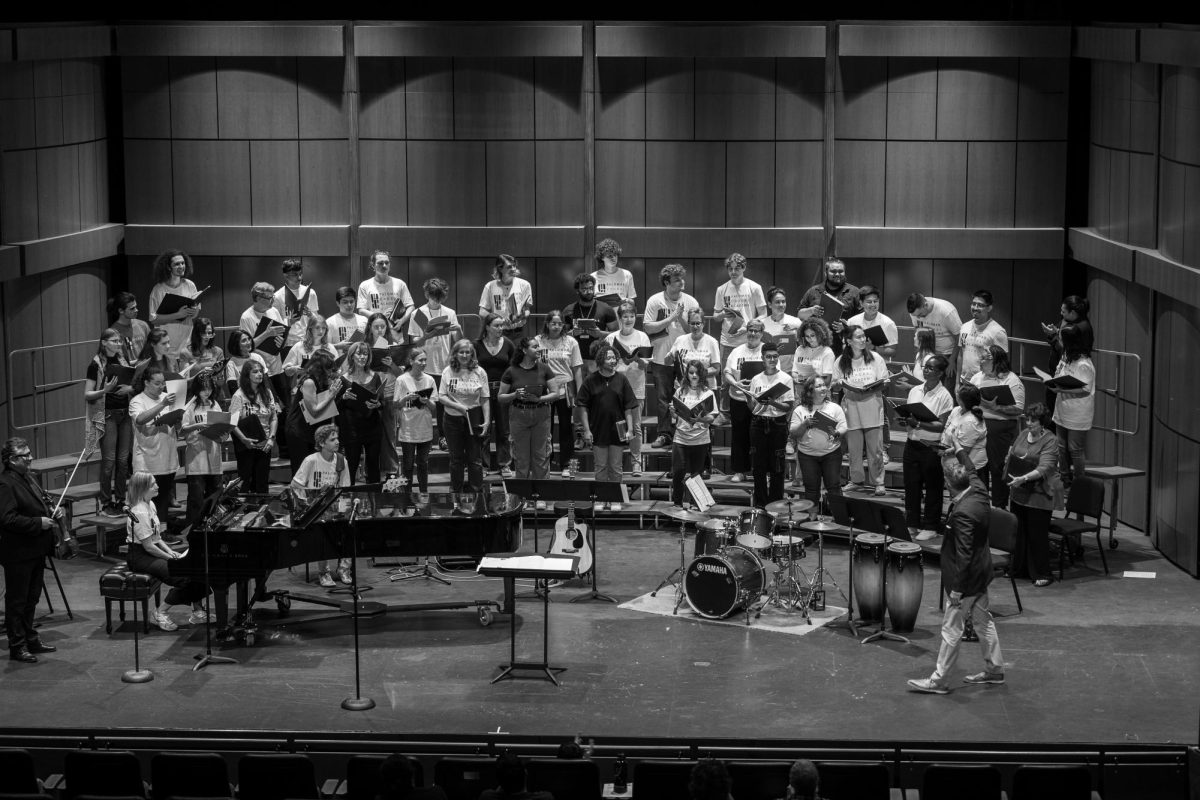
(326, 467)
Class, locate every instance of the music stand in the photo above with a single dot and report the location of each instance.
(207, 508)
(530, 489)
(599, 492)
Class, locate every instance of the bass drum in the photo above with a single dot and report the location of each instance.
(718, 584)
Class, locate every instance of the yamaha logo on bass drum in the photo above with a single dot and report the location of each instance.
(719, 569)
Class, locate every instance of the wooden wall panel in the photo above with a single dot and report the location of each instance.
(754, 243)
(902, 277)
(735, 98)
(238, 40)
(954, 40)
(17, 128)
(554, 281)
(1144, 111)
(23, 329)
(1011, 243)
(977, 99)
(429, 98)
(799, 98)
(493, 40)
(472, 274)
(321, 102)
(1087, 246)
(1041, 184)
(1143, 190)
(991, 185)
(798, 169)
(750, 189)
(18, 216)
(421, 269)
(274, 182)
(145, 97)
(148, 182)
(493, 98)
(685, 184)
(559, 187)
(926, 184)
(79, 118)
(1107, 43)
(48, 122)
(60, 252)
(211, 182)
(558, 98)
(57, 190)
(324, 182)
(256, 98)
(1118, 195)
(620, 183)
(1191, 217)
(193, 98)
(246, 240)
(383, 171)
(859, 182)
(510, 183)
(54, 294)
(1098, 189)
(381, 98)
(716, 41)
(1042, 98)
(912, 98)
(670, 98)
(861, 103)
(446, 183)
(1171, 193)
(1037, 286)
(957, 279)
(1181, 114)
(620, 98)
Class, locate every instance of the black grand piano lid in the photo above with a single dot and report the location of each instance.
(428, 505)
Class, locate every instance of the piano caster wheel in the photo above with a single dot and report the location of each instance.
(485, 616)
(283, 605)
(248, 640)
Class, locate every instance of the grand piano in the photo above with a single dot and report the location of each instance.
(246, 537)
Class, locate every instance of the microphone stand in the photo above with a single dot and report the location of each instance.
(207, 657)
(358, 702)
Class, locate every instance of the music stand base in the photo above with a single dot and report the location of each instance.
(358, 703)
(591, 595)
(509, 671)
(885, 635)
(137, 676)
(204, 659)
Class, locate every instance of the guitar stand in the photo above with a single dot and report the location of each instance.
(613, 492)
(404, 574)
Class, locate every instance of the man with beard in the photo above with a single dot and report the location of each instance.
(835, 286)
(587, 307)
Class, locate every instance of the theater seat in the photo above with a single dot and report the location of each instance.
(575, 778)
(362, 776)
(845, 780)
(759, 780)
(1053, 782)
(102, 773)
(955, 781)
(17, 773)
(175, 775)
(661, 780)
(277, 776)
(465, 778)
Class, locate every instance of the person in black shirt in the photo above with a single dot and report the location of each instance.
(588, 307)
(525, 393)
(608, 400)
(495, 352)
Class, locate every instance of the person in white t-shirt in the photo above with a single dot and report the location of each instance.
(508, 296)
(263, 295)
(382, 293)
(172, 275)
(633, 367)
(663, 321)
(938, 315)
(347, 322)
(326, 467)
(614, 285)
(738, 301)
(872, 317)
(295, 301)
(978, 334)
(923, 474)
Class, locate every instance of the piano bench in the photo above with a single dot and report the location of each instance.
(120, 583)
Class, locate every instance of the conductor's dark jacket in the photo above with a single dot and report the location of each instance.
(966, 560)
(21, 512)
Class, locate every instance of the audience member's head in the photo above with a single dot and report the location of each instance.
(396, 776)
(570, 750)
(510, 770)
(710, 781)
(803, 781)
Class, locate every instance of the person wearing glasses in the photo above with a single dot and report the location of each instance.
(744, 362)
(1002, 421)
(769, 427)
(26, 538)
(923, 474)
(154, 446)
(978, 334)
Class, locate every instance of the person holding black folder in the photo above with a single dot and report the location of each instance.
(561, 354)
(633, 351)
(317, 389)
(201, 349)
(737, 301)
(172, 276)
(383, 294)
(495, 353)
(923, 474)
(107, 389)
(387, 363)
(744, 362)
(771, 400)
(818, 425)
(862, 376)
(507, 295)
(814, 352)
(1002, 396)
(360, 402)
(154, 448)
(663, 322)
(240, 347)
(464, 392)
(201, 453)
(1074, 408)
(588, 320)
(295, 302)
(614, 284)
(526, 397)
(414, 398)
(608, 400)
(269, 331)
(1031, 469)
(257, 415)
(694, 408)
(833, 299)
(781, 327)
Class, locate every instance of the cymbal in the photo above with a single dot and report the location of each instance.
(712, 525)
(720, 510)
(795, 506)
(683, 514)
(819, 525)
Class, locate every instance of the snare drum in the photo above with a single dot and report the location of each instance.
(711, 536)
(755, 527)
(867, 571)
(787, 548)
(905, 582)
(718, 584)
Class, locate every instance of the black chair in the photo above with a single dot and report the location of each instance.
(1002, 541)
(17, 772)
(362, 776)
(189, 775)
(1086, 499)
(575, 778)
(758, 780)
(842, 780)
(277, 776)
(102, 773)
(465, 778)
(661, 780)
(956, 781)
(1053, 782)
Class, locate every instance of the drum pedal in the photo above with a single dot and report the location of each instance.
(817, 601)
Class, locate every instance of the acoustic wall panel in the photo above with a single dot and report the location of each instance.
(446, 183)
(670, 98)
(145, 97)
(324, 182)
(421, 269)
(381, 98)
(212, 184)
(79, 118)
(93, 184)
(750, 185)
(57, 191)
(1171, 193)
(48, 120)
(1191, 217)
(991, 184)
(902, 277)
(17, 127)
(383, 176)
(510, 184)
(493, 98)
(321, 102)
(1041, 184)
(558, 98)
(1143, 190)
(193, 99)
(148, 182)
(926, 184)
(912, 96)
(1042, 98)
(1036, 291)
(1181, 114)
(735, 98)
(977, 98)
(620, 98)
(429, 98)
(861, 102)
(1143, 108)
(798, 169)
(274, 182)
(18, 216)
(685, 184)
(1118, 195)
(859, 182)
(256, 98)
(559, 186)
(620, 183)
(799, 98)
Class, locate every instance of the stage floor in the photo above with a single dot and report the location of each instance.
(1093, 659)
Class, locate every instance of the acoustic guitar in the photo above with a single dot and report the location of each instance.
(570, 538)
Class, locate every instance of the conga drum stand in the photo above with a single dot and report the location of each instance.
(883, 632)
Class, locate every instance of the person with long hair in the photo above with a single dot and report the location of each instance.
(261, 308)
(201, 350)
(507, 295)
(154, 448)
(240, 347)
(379, 331)
(201, 454)
(926, 344)
(495, 354)
(964, 438)
(814, 352)
(525, 390)
(172, 275)
(633, 367)
(1074, 409)
(744, 362)
(315, 340)
(1031, 467)
(465, 387)
(1002, 421)
(561, 354)
(149, 554)
(696, 345)
(818, 448)
(361, 420)
(923, 474)
(769, 426)
(317, 389)
(437, 343)
(778, 323)
(108, 403)
(858, 373)
(415, 398)
(693, 437)
(254, 398)
(1073, 313)
(156, 352)
(123, 311)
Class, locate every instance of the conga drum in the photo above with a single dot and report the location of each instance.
(866, 568)
(905, 582)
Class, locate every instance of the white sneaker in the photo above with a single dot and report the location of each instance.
(540, 505)
(163, 621)
(326, 580)
(199, 618)
(636, 463)
(924, 535)
(566, 473)
(614, 507)
(344, 575)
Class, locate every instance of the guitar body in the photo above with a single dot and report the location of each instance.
(570, 538)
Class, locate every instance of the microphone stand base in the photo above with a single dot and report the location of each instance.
(137, 676)
(358, 703)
